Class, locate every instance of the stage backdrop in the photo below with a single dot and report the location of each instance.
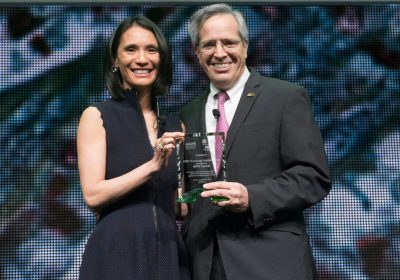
(348, 57)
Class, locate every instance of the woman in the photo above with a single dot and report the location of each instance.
(127, 164)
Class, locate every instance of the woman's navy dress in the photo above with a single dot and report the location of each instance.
(136, 237)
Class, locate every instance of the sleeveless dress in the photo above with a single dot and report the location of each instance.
(135, 237)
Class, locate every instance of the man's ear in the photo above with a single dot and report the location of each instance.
(197, 51)
(245, 46)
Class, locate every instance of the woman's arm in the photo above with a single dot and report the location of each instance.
(91, 142)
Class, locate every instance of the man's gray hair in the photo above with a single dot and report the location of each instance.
(200, 16)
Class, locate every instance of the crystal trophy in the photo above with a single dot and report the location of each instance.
(195, 167)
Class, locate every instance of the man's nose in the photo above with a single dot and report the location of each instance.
(219, 50)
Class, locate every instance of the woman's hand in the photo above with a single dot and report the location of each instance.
(164, 147)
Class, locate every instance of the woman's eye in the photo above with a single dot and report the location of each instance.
(153, 50)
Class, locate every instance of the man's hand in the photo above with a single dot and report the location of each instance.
(238, 197)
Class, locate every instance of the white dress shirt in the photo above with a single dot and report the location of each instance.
(230, 108)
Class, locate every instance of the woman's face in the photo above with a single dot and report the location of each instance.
(138, 58)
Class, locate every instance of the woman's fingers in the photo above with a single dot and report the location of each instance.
(168, 140)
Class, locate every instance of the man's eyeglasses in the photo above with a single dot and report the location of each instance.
(226, 44)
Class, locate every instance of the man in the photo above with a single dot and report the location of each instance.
(275, 162)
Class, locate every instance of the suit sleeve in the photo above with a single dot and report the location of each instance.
(304, 179)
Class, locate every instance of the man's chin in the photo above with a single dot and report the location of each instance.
(220, 76)
(222, 83)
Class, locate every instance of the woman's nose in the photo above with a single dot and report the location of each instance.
(141, 57)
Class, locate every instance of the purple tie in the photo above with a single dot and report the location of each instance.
(222, 126)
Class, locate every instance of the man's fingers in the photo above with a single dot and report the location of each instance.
(217, 185)
(211, 193)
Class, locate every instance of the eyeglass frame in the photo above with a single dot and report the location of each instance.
(220, 42)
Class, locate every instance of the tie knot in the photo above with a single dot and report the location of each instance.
(222, 97)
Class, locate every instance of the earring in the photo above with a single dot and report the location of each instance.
(114, 69)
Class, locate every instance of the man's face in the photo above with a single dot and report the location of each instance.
(224, 63)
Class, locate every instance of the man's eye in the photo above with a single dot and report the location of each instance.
(209, 45)
(229, 43)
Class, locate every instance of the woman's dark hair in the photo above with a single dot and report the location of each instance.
(113, 80)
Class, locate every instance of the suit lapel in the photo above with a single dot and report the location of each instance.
(200, 117)
(249, 96)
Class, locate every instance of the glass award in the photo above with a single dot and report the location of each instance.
(195, 166)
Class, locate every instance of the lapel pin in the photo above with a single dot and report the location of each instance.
(251, 94)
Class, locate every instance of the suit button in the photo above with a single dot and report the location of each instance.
(268, 219)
